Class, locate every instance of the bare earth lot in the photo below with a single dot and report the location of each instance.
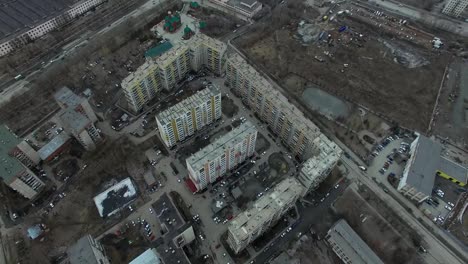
(371, 76)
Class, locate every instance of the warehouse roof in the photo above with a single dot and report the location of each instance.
(18, 16)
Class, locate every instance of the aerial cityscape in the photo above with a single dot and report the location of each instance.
(233, 131)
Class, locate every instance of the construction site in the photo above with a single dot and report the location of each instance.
(360, 55)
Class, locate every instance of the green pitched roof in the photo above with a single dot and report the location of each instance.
(9, 166)
(158, 50)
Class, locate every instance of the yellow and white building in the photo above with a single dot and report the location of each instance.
(183, 119)
(172, 67)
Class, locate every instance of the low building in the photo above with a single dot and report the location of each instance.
(243, 9)
(221, 156)
(263, 214)
(176, 233)
(420, 171)
(87, 250)
(36, 231)
(115, 198)
(150, 256)
(54, 147)
(348, 246)
(425, 163)
(14, 173)
(316, 169)
(183, 119)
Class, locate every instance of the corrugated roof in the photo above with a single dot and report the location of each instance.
(9, 166)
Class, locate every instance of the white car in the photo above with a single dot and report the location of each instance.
(448, 207)
(451, 204)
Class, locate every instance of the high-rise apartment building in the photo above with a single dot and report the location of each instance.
(171, 67)
(289, 123)
(228, 151)
(142, 85)
(87, 250)
(264, 213)
(183, 119)
(324, 158)
(455, 7)
(13, 173)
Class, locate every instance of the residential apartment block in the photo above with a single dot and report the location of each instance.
(228, 151)
(295, 130)
(142, 85)
(264, 213)
(25, 21)
(167, 70)
(243, 9)
(67, 99)
(316, 169)
(455, 7)
(87, 250)
(348, 246)
(183, 119)
(13, 173)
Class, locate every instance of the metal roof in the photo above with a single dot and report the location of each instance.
(158, 50)
(52, 146)
(425, 161)
(9, 165)
(18, 16)
(351, 244)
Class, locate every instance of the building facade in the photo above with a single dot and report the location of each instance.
(455, 7)
(223, 155)
(167, 70)
(243, 9)
(318, 167)
(142, 85)
(348, 246)
(182, 120)
(289, 123)
(23, 21)
(264, 213)
(13, 173)
(87, 250)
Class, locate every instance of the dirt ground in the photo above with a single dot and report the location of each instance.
(217, 23)
(378, 231)
(361, 71)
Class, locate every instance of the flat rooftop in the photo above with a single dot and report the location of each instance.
(115, 198)
(67, 97)
(423, 164)
(9, 165)
(351, 244)
(265, 208)
(165, 211)
(57, 142)
(82, 251)
(215, 149)
(175, 111)
(73, 121)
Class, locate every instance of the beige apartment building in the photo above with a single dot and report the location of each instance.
(183, 119)
(172, 67)
(263, 214)
(287, 121)
(228, 151)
